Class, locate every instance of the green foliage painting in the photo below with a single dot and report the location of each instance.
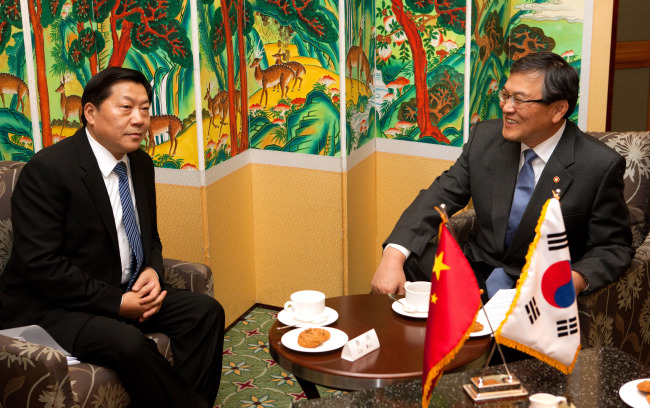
(269, 69)
(505, 32)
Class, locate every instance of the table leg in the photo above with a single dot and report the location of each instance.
(308, 387)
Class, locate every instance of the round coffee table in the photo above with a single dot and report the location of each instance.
(399, 357)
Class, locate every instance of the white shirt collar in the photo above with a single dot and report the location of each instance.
(545, 149)
(105, 159)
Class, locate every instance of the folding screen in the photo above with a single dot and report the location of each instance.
(269, 71)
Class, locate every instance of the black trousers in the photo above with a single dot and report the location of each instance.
(195, 326)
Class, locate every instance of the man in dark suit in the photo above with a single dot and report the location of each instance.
(536, 101)
(77, 270)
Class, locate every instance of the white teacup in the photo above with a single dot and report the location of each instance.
(417, 295)
(542, 400)
(306, 305)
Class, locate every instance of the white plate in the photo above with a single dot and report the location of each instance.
(286, 317)
(486, 328)
(632, 396)
(399, 308)
(337, 340)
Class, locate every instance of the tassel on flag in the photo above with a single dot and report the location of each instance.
(543, 318)
(453, 307)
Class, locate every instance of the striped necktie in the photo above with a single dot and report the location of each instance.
(499, 279)
(130, 225)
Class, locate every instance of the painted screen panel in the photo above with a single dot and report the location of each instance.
(505, 32)
(16, 135)
(294, 97)
(420, 54)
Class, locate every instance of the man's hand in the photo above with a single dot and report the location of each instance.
(144, 299)
(389, 277)
(579, 282)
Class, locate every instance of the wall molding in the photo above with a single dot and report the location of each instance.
(193, 178)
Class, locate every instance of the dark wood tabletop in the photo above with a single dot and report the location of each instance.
(399, 357)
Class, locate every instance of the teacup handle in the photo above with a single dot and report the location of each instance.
(560, 400)
(287, 305)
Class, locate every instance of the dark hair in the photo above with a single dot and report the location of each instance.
(99, 87)
(561, 81)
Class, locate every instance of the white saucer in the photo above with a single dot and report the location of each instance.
(337, 340)
(286, 317)
(399, 308)
(486, 327)
(632, 396)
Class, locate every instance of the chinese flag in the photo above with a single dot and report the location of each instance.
(453, 307)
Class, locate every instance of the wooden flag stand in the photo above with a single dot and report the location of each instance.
(496, 386)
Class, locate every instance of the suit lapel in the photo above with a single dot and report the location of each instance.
(504, 177)
(555, 176)
(94, 182)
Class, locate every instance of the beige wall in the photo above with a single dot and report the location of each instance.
(362, 224)
(180, 222)
(298, 220)
(599, 75)
(231, 248)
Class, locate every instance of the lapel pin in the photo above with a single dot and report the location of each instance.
(556, 179)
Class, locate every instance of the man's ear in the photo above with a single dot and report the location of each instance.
(559, 109)
(89, 113)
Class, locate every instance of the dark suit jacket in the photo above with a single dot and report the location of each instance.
(65, 264)
(588, 173)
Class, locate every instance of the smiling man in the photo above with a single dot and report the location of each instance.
(509, 169)
(86, 263)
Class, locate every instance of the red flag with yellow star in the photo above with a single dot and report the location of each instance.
(453, 307)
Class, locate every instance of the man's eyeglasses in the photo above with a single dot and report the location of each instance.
(517, 102)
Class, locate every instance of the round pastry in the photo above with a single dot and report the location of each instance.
(476, 327)
(313, 337)
(643, 386)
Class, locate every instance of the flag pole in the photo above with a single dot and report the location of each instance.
(498, 346)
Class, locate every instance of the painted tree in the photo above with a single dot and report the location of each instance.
(42, 13)
(444, 95)
(89, 42)
(450, 14)
(245, 21)
(492, 39)
(224, 19)
(145, 25)
(309, 19)
(9, 16)
(239, 17)
(524, 40)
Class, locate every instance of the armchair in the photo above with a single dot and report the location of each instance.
(33, 376)
(617, 315)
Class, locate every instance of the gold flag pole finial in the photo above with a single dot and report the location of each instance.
(442, 210)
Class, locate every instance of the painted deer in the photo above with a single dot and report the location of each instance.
(219, 105)
(273, 75)
(158, 125)
(357, 58)
(223, 104)
(297, 68)
(70, 105)
(213, 106)
(13, 85)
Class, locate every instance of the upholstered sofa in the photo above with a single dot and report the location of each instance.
(617, 315)
(35, 376)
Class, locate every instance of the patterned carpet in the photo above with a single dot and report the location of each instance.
(250, 377)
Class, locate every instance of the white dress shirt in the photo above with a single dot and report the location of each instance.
(107, 163)
(543, 151)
